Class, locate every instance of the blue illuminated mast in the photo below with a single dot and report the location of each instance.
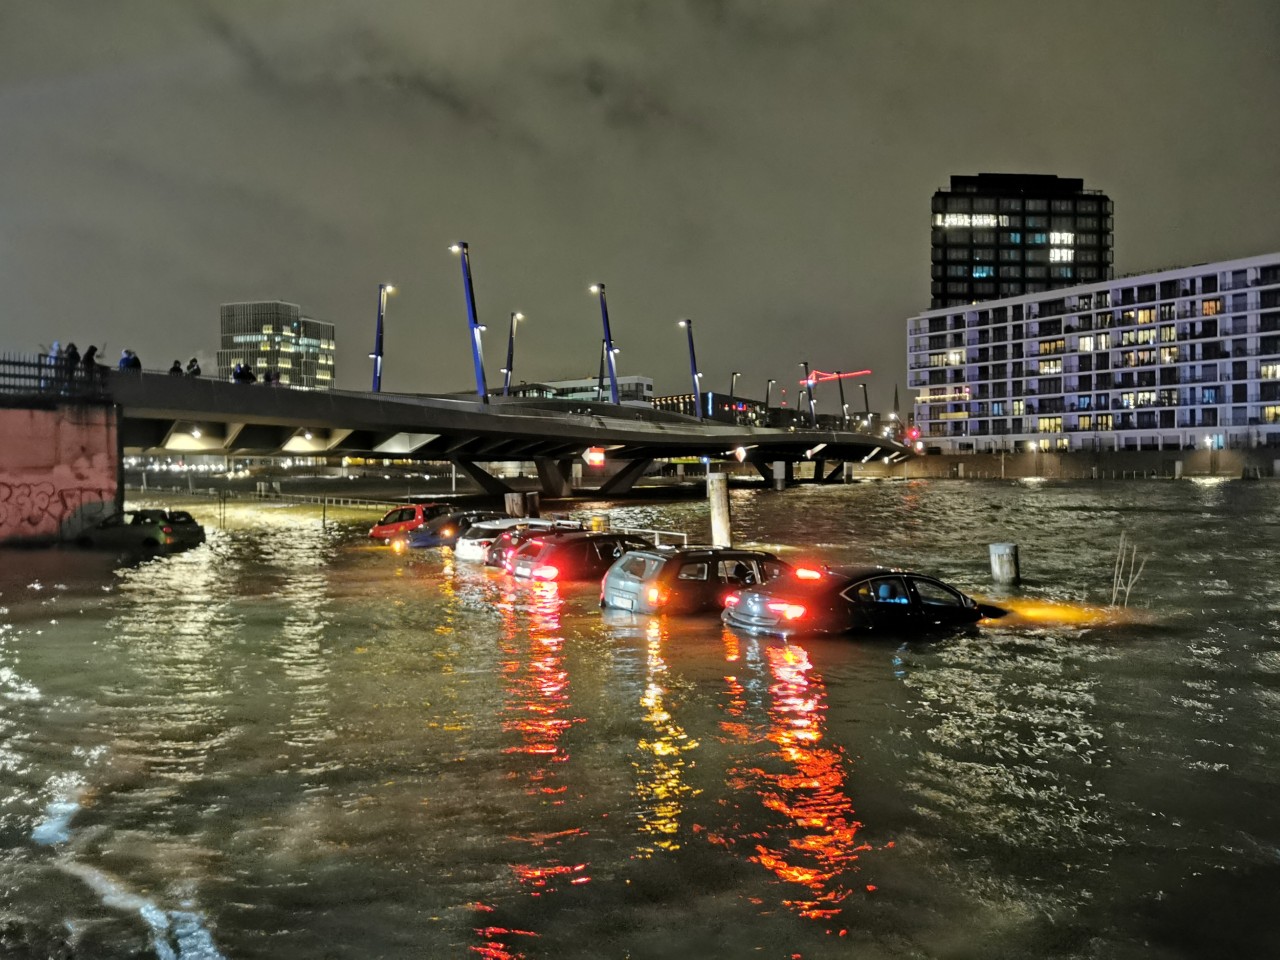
(376, 356)
(693, 367)
(598, 289)
(477, 354)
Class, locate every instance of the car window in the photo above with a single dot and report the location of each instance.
(737, 572)
(770, 570)
(692, 571)
(882, 590)
(638, 567)
(935, 594)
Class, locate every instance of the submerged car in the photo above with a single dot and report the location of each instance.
(573, 555)
(476, 541)
(853, 600)
(445, 529)
(144, 531)
(505, 544)
(684, 579)
(402, 520)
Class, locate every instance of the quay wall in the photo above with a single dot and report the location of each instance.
(59, 468)
(1232, 463)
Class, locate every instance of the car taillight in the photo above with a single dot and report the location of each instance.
(167, 529)
(544, 572)
(788, 611)
(732, 599)
(805, 573)
(657, 596)
(447, 532)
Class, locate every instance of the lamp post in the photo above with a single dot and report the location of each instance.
(516, 317)
(768, 392)
(866, 404)
(477, 353)
(383, 290)
(843, 406)
(733, 387)
(598, 289)
(809, 385)
(693, 367)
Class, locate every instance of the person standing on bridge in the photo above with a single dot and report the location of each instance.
(193, 368)
(90, 363)
(70, 363)
(176, 369)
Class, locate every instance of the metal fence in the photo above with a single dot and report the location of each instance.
(45, 378)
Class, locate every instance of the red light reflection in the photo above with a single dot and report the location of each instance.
(814, 844)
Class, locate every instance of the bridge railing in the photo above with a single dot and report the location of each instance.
(30, 376)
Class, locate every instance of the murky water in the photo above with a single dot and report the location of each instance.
(291, 744)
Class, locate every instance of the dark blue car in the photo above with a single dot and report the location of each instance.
(444, 530)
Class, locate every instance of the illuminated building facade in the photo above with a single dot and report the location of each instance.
(1005, 234)
(273, 335)
(1170, 360)
(631, 390)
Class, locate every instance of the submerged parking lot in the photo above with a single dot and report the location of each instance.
(289, 742)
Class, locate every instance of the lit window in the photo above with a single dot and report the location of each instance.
(1039, 238)
(984, 271)
(1062, 239)
(1086, 344)
(1061, 254)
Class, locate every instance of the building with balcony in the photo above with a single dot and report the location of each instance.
(1182, 358)
(273, 335)
(1005, 234)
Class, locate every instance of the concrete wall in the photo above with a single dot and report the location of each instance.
(1104, 465)
(58, 467)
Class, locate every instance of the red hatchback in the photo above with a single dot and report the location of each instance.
(402, 520)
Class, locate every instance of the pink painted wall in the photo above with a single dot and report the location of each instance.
(54, 465)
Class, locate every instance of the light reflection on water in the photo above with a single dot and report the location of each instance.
(287, 743)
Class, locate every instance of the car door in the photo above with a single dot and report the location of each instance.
(939, 605)
(882, 604)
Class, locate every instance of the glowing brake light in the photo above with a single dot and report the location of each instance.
(788, 611)
(544, 572)
(732, 599)
(657, 596)
(167, 529)
(806, 573)
(447, 532)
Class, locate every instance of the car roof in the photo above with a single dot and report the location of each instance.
(667, 551)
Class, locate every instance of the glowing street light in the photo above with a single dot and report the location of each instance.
(693, 367)
(843, 406)
(384, 289)
(516, 317)
(598, 290)
(477, 351)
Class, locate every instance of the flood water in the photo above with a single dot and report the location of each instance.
(291, 744)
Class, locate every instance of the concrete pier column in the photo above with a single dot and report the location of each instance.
(718, 495)
(1004, 563)
(781, 473)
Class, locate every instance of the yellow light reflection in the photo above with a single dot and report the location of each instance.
(660, 784)
(1067, 614)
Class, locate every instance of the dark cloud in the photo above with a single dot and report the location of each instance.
(763, 167)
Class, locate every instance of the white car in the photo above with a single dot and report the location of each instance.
(475, 540)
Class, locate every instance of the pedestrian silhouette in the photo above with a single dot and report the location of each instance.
(176, 369)
(193, 368)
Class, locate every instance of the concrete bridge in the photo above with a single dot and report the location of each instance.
(161, 414)
(63, 435)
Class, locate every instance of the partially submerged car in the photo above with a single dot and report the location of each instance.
(853, 600)
(445, 529)
(474, 543)
(505, 545)
(684, 579)
(144, 531)
(574, 555)
(401, 520)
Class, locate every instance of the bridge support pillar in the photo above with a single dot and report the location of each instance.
(783, 474)
(486, 481)
(553, 477)
(625, 479)
(836, 474)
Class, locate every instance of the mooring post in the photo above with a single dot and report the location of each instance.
(1004, 563)
(718, 496)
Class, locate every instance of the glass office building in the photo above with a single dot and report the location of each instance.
(1170, 360)
(273, 335)
(1005, 234)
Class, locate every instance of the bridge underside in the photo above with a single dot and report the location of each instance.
(180, 417)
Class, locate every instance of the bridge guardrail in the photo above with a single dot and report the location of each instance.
(40, 377)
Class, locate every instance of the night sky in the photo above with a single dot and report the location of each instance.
(763, 167)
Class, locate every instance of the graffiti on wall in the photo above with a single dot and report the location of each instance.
(40, 509)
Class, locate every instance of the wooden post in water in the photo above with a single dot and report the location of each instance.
(718, 496)
(1004, 563)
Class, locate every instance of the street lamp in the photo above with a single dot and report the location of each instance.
(866, 404)
(600, 375)
(598, 290)
(516, 317)
(693, 367)
(768, 392)
(733, 386)
(477, 353)
(843, 406)
(383, 290)
(809, 385)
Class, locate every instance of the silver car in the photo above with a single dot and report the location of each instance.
(684, 579)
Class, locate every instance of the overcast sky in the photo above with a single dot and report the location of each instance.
(763, 167)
